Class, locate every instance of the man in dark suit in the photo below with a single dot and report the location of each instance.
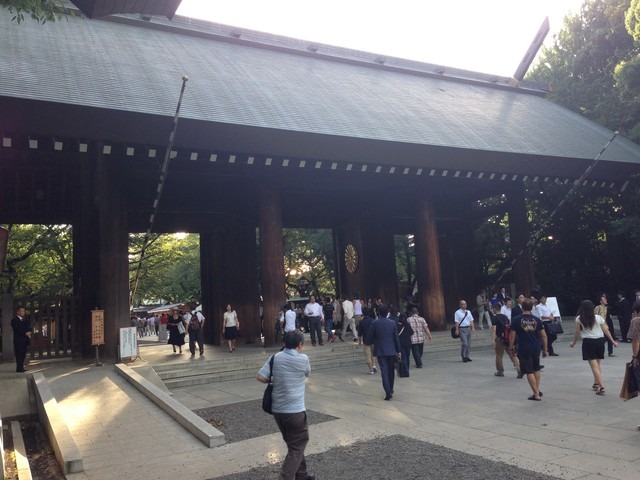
(517, 309)
(624, 316)
(383, 335)
(21, 337)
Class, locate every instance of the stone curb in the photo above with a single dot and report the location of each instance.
(65, 448)
(20, 451)
(202, 430)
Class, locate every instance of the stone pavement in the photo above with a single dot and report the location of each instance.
(571, 434)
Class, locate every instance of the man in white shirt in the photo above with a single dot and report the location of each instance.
(464, 326)
(544, 313)
(506, 308)
(313, 311)
(289, 319)
(348, 319)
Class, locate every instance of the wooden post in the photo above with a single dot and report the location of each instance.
(379, 262)
(113, 240)
(428, 267)
(519, 234)
(272, 257)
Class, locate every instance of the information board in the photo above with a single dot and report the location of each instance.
(97, 327)
(552, 303)
(128, 343)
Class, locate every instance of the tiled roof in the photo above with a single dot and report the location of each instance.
(243, 78)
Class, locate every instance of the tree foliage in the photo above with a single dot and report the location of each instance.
(581, 66)
(309, 261)
(41, 11)
(594, 69)
(170, 271)
(39, 261)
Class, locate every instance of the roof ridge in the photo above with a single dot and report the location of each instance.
(258, 39)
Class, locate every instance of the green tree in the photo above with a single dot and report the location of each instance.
(41, 11)
(39, 261)
(581, 65)
(309, 258)
(170, 271)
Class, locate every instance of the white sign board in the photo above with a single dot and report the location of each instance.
(552, 303)
(128, 343)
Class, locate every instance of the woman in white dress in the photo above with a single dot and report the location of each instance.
(231, 328)
(592, 329)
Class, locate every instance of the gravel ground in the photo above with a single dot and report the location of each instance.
(241, 421)
(397, 457)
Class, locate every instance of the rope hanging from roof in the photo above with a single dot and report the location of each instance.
(535, 238)
(161, 181)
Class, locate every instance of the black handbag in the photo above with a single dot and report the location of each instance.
(266, 396)
(554, 327)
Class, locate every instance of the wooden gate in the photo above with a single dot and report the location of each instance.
(55, 326)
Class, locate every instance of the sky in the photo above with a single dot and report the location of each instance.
(489, 36)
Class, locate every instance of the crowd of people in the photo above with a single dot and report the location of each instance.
(527, 329)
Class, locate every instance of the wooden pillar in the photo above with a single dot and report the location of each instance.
(428, 266)
(228, 266)
(519, 234)
(379, 262)
(86, 255)
(113, 241)
(210, 290)
(272, 260)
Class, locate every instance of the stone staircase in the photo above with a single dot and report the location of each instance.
(244, 364)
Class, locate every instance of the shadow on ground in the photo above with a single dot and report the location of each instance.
(396, 457)
(245, 420)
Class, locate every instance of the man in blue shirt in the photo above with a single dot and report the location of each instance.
(290, 369)
(527, 329)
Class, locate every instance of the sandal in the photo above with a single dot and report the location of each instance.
(533, 397)
(595, 386)
(600, 391)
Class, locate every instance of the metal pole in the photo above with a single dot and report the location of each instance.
(535, 238)
(159, 189)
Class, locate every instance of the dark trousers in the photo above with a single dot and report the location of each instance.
(624, 328)
(316, 329)
(403, 371)
(387, 373)
(295, 434)
(417, 350)
(551, 337)
(195, 336)
(20, 350)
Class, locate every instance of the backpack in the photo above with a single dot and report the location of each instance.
(504, 323)
(194, 322)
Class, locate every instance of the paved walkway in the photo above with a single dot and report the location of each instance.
(571, 434)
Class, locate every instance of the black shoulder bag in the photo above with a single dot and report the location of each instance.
(266, 397)
(454, 334)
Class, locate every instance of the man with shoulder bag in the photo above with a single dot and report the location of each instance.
(290, 369)
(464, 326)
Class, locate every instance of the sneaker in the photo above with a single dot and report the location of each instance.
(499, 374)
(375, 369)
(553, 354)
(372, 372)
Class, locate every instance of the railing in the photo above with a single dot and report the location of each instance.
(55, 326)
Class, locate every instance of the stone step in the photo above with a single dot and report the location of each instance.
(245, 363)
